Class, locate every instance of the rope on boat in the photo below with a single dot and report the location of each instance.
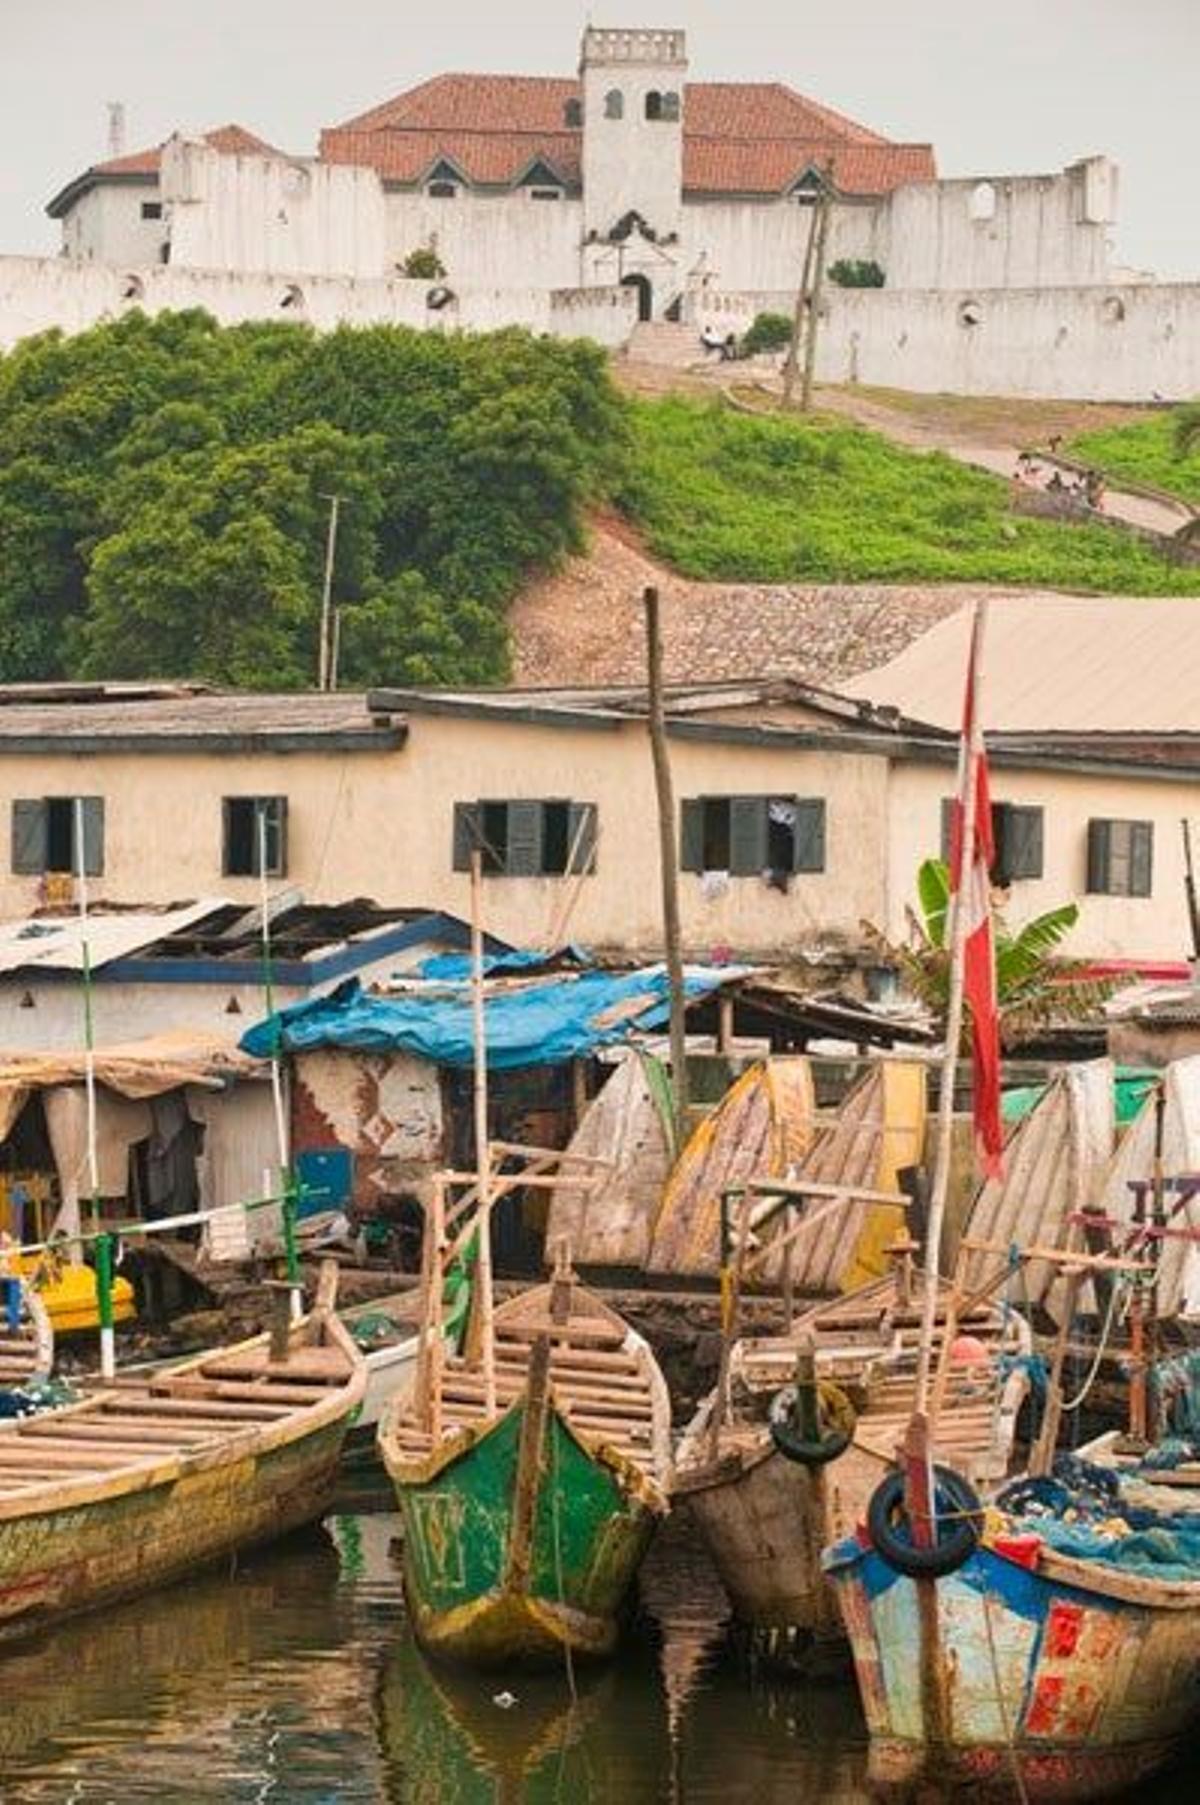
(1102, 1348)
(1014, 1760)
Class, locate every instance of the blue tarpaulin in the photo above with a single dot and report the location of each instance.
(565, 1017)
(457, 966)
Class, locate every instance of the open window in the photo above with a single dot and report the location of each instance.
(749, 836)
(45, 835)
(542, 838)
(1018, 834)
(254, 836)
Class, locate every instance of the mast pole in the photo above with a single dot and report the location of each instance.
(667, 856)
(968, 761)
(483, 1156)
(291, 1252)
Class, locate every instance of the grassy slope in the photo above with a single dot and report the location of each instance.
(1143, 453)
(726, 496)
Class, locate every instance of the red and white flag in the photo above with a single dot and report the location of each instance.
(970, 868)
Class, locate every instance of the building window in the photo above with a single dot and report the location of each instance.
(443, 191)
(750, 836)
(614, 104)
(44, 835)
(654, 104)
(526, 839)
(807, 191)
(670, 107)
(1120, 858)
(573, 114)
(983, 202)
(1017, 834)
(254, 836)
(545, 194)
(151, 209)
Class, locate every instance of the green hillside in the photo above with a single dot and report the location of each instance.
(749, 498)
(1145, 452)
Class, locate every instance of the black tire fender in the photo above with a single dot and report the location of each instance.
(958, 1526)
(837, 1416)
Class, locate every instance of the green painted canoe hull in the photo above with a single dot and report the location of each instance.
(592, 1522)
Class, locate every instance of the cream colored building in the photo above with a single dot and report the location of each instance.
(801, 814)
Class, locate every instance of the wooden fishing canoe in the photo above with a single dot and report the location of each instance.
(153, 1476)
(523, 1531)
(766, 1519)
(26, 1334)
(387, 1330)
(1076, 1673)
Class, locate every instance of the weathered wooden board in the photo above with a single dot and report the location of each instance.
(1179, 1260)
(762, 1128)
(624, 1124)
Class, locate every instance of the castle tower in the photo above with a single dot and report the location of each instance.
(633, 160)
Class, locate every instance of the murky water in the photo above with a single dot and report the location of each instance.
(293, 1681)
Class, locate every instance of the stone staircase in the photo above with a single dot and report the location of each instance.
(669, 346)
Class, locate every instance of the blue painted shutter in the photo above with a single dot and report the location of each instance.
(809, 835)
(524, 839)
(29, 837)
(747, 835)
(691, 834)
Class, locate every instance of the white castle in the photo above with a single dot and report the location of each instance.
(625, 194)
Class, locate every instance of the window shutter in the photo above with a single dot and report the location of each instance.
(466, 834)
(1141, 860)
(29, 838)
(524, 839)
(277, 821)
(810, 835)
(1098, 856)
(581, 834)
(747, 835)
(691, 834)
(1025, 842)
(92, 810)
(947, 828)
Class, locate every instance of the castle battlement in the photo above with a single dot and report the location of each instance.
(664, 49)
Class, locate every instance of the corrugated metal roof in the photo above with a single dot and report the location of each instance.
(1057, 664)
(56, 942)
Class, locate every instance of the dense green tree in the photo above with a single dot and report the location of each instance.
(165, 484)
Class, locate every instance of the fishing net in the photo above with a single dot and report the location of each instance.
(1079, 1510)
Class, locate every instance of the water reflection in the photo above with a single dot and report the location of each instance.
(293, 1681)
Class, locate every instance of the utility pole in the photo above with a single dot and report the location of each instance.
(324, 648)
(791, 362)
(667, 857)
(814, 302)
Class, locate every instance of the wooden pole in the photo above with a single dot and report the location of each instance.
(324, 650)
(89, 1026)
(483, 1155)
(668, 857)
(104, 1306)
(791, 363)
(968, 753)
(818, 279)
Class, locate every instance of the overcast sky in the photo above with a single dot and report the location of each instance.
(999, 86)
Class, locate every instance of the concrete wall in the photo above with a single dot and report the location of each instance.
(724, 240)
(270, 214)
(380, 824)
(1045, 231)
(505, 241)
(40, 292)
(1097, 343)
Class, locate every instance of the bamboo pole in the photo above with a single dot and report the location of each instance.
(89, 1026)
(483, 1153)
(967, 766)
(668, 859)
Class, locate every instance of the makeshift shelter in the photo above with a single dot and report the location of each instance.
(182, 1121)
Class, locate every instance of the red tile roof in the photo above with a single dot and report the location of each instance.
(738, 137)
(232, 140)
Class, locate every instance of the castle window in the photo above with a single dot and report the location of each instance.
(573, 113)
(807, 190)
(654, 104)
(614, 104)
(442, 191)
(670, 106)
(545, 194)
(983, 201)
(151, 209)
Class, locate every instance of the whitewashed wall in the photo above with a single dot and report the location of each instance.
(506, 241)
(725, 241)
(40, 292)
(106, 226)
(271, 214)
(1091, 343)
